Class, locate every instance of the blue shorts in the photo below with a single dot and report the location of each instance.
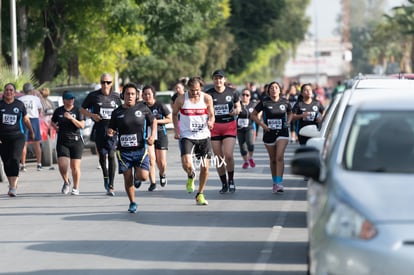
(36, 129)
(128, 159)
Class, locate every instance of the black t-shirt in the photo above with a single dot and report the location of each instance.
(131, 125)
(315, 108)
(223, 104)
(274, 113)
(66, 127)
(11, 116)
(160, 111)
(243, 120)
(98, 103)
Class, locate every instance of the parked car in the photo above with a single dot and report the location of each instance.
(363, 88)
(165, 98)
(80, 92)
(360, 194)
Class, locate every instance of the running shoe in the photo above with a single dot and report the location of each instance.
(190, 183)
(39, 167)
(65, 188)
(75, 192)
(163, 181)
(277, 188)
(12, 192)
(245, 165)
(252, 163)
(200, 200)
(110, 193)
(23, 168)
(224, 188)
(152, 187)
(132, 207)
(232, 186)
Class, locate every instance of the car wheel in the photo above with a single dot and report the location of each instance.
(2, 174)
(47, 153)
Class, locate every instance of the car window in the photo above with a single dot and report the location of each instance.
(381, 142)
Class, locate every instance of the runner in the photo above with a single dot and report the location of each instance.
(99, 105)
(223, 135)
(129, 123)
(197, 119)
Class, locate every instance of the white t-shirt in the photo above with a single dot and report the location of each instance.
(33, 105)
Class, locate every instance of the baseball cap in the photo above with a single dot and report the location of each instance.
(27, 87)
(219, 72)
(68, 95)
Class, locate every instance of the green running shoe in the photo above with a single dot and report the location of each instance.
(200, 200)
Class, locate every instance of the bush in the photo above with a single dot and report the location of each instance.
(7, 76)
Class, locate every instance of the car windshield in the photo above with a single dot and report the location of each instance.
(382, 142)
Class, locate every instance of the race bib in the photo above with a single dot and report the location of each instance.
(243, 122)
(106, 113)
(9, 119)
(128, 140)
(310, 117)
(221, 109)
(197, 127)
(274, 124)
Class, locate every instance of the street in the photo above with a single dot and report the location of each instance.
(249, 232)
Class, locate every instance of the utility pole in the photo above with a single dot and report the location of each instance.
(13, 37)
(345, 32)
(316, 44)
(346, 37)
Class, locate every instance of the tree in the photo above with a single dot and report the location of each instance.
(264, 30)
(177, 33)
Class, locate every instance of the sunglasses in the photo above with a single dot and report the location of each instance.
(106, 82)
(245, 95)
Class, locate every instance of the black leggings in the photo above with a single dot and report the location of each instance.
(108, 169)
(246, 141)
(11, 148)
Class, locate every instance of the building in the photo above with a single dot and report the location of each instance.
(323, 62)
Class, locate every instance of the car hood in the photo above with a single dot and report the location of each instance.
(378, 196)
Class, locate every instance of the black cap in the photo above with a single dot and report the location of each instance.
(219, 72)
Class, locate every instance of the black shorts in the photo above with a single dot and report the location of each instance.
(103, 142)
(70, 147)
(197, 147)
(271, 137)
(161, 143)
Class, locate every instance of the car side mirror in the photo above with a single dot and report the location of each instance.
(307, 163)
(309, 131)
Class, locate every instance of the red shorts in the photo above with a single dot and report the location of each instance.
(221, 131)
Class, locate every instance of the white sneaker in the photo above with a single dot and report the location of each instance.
(277, 188)
(75, 191)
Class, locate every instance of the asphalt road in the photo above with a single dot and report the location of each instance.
(249, 232)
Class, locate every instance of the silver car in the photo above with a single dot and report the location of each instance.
(363, 88)
(361, 206)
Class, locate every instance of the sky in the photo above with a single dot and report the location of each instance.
(323, 14)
